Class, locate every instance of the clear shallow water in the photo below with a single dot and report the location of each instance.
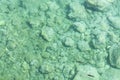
(59, 40)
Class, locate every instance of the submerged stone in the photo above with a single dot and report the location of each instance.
(83, 46)
(47, 33)
(69, 42)
(114, 56)
(98, 5)
(111, 74)
(114, 21)
(80, 26)
(86, 72)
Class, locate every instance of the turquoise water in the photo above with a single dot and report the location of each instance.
(59, 40)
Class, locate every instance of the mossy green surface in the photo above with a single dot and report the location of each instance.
(59, 39)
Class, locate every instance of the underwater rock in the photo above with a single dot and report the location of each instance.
(98, 5)
(86, 72)
(76, 11)
(69, 42)
(114, 21)
(114, 55)
(111, 74)
(99, 41)
(46, 68)
(80, 26)
(47, 33)
(83, 46)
